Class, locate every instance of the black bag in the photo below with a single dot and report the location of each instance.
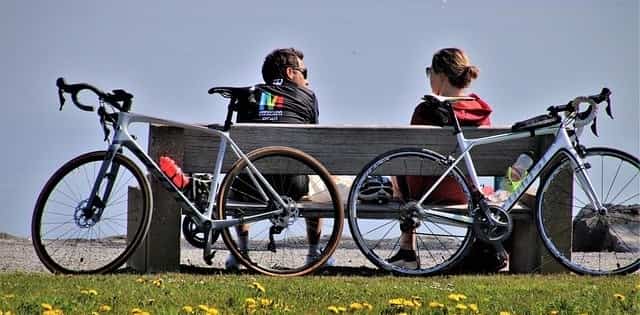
(482, 258)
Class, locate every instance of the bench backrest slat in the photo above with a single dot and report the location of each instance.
(344, 150)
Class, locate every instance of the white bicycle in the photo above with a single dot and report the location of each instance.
(587, 207)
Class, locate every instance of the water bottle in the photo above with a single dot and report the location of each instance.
(173, 171)
(516, 172)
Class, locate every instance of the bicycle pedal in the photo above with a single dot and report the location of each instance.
(208, 258)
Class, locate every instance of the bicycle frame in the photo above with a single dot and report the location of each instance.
(122, 138)
(562, 144)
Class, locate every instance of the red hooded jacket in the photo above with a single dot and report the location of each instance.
(469, 113)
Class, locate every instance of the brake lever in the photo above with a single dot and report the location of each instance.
(594, 127)
(103, 113)
(61, 98)
(608, 108)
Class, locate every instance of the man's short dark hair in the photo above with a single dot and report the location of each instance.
(276, 63)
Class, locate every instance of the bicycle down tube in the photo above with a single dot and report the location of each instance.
(561, 145)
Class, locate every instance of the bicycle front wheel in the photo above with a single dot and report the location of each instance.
(379, 228)
(70, 237)
(301, 238)
(579, 236)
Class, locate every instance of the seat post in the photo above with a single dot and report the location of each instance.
(230, 109)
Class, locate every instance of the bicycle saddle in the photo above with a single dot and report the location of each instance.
(231, 92)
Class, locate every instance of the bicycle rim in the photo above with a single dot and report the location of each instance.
(303, 182)
(67, 239)
(376, 228)
(578, 236)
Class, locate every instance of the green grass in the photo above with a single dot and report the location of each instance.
(566, 294)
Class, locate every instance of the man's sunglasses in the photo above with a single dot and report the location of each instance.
(303, 71)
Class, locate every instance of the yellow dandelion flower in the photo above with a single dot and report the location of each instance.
(92, 313)
(85, 292)
(9, 296)
(456, 297)
(213, 311)
(403, 313)
(136, 310)
(342, 309)
(140, 280)
(266, 302)
(553, 312)
(619, 297)
(203, 307)
(505, 313)
(333, 309)
(92, 292)
(353, 307)
(157, 282)
(46, 307)
(250, 302)
(367, 306)
(461, 307)
(258, 287)
(187, 309)
(434, 304)
(396, 302)
(474, 308)
(104, 308)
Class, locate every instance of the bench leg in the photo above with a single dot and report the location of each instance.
(528, 254)
(160, 250)
(526, 248)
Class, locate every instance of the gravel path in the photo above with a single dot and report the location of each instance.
(18, 255)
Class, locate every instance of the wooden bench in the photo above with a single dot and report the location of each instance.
(344, 150)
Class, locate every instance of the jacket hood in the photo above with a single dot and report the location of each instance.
(474, 112)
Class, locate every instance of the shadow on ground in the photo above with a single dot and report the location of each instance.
(326, 271)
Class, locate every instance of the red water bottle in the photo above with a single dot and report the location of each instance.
(173, 171)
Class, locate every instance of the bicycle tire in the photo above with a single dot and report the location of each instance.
(376, 229)
(66, 241)
(594, 243)
(289, 258)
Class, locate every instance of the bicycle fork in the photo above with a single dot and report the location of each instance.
(92, 210)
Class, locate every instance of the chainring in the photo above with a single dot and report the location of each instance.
(486, 230)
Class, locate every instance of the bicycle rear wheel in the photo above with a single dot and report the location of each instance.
(574, 232)
(378, 229)
(286, 244)
(68, 238)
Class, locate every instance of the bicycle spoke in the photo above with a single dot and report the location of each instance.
(612, 182)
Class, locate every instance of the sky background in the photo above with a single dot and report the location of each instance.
(366, 63)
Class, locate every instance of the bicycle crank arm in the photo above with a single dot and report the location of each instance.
(207, 252)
